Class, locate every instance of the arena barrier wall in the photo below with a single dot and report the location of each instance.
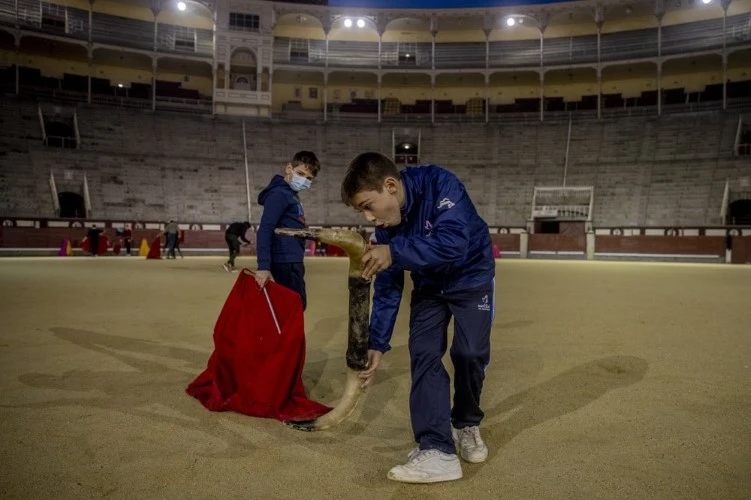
(45, 236)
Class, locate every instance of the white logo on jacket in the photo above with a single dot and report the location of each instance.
(446, 203)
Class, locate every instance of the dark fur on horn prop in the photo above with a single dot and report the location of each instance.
(359, 312)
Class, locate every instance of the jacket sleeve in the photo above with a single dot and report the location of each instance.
(449, 240)
(387, 296)
(273, 208)
(243, 232)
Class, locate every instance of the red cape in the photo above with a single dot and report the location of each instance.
(104, 244)
(155, 251)
(255, 369)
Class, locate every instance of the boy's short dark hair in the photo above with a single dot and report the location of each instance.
(307, 158)
(367, 173)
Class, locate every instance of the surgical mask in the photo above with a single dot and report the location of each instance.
(299, 183)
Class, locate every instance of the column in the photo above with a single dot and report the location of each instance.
(90, 51)
(432, 49)
(659, 87)
(325, 95)
(88, 76)
(326, 60)
(542, 95)
(724, 80)
(432, 98)
(213, 88)
(380, 41)
(599, 72)
(380, 81)
(487, 97)
(91, 20)
(18, 63)
(725, 4)
(599, 92)
(523, 245)
(542, 74)
(153, 83)
(590, 244)
(659, 63)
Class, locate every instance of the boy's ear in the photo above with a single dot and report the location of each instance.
(390, 184)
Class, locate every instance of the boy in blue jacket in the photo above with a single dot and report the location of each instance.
(427, 224)
(280, 258)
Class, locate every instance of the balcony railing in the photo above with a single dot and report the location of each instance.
(678, 39)
(107, 29)
(626, 45)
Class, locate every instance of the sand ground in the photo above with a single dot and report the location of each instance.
(607, 380)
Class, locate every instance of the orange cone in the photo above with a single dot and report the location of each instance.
(144, 250)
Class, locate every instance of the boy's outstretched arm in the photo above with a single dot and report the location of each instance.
(386, 298)
(449, 238)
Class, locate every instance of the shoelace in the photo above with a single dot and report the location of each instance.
(474, 432)
(414, 457)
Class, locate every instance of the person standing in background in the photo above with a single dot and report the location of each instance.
(93, 236)
(232, 235)
(127, 236)
(171, 231)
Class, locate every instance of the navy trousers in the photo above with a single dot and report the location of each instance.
(291, 275)
(430, 398)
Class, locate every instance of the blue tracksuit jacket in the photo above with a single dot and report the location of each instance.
(441, 239)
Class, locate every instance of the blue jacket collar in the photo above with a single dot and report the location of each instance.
(409, 196)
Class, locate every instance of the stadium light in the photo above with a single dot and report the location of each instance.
(360, 23)
(181, 6)
(348, 23)
(120, 85)
(705, 2)
(510, 21)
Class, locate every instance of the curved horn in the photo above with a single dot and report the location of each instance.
(359, 311)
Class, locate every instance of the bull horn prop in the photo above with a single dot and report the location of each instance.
(359, 311)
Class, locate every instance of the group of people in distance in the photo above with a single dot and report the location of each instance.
(427, 224)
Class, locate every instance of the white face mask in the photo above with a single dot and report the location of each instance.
(299, 183)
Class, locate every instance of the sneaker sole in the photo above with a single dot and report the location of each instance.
(441, 479)
(475, 460)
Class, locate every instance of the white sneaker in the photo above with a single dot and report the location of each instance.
(427, 466)
(470, 445)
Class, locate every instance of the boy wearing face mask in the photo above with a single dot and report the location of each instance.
(280, 258)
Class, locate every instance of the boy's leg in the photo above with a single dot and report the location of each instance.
(473, 312)
(292, 276)
(430, 396)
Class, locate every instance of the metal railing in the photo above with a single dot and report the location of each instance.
(108, 29)
(625, 45)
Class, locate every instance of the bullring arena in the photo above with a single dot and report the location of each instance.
(605, 144)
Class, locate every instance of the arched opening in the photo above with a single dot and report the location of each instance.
(739, 212)
(243, 70)
(406, 153)
(72, 205)
(60, 135)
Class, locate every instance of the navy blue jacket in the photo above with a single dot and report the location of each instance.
(441, 239)
(281, 208)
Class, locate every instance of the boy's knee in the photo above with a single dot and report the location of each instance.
(469, 354)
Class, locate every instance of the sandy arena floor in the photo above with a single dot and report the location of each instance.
(607, 380)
